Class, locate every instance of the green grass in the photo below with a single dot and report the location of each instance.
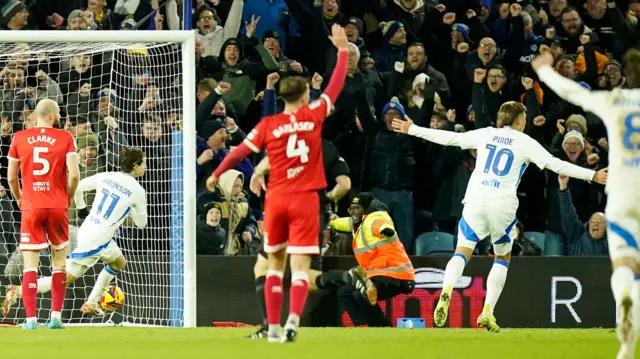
(333, 343)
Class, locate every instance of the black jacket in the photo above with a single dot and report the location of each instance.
(209, 240)
(579, 241)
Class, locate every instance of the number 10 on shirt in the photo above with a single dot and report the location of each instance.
(493, 160)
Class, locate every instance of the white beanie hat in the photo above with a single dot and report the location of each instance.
(419, 79)
(575, 134)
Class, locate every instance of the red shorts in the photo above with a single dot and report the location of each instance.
(292, 221)
(43, 226)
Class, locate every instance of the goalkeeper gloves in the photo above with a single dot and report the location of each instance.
(83, 213)
(388, 232)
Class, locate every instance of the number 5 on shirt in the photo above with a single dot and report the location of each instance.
(37, 151)
(297, 148)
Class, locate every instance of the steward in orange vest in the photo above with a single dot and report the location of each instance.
(379, 251)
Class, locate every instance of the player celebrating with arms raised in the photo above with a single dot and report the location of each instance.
(118, 194)
(293, 202)
(620, 111)
(43, 155)
(491, 201)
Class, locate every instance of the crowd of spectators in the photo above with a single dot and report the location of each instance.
(446, 64)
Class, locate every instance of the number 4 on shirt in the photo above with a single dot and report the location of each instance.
(297, 148)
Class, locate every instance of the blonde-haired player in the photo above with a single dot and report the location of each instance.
(490, 202)
(620, 111)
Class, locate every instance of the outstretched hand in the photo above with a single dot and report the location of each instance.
(401, 126)
(542, 60)
(257, 184)
(339, 37)
(212, 182)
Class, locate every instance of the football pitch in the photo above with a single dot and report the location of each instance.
(325, 343)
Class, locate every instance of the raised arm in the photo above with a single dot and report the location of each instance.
(571, 224)
(339, 39)
(446, 138)
(544, 159)
(571, 91)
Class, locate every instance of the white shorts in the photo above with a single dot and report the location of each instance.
(81, 259)
(481, 221)
(623, 226)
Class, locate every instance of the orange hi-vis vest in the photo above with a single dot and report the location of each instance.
(377, 254)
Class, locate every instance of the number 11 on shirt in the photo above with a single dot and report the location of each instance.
(114, 201)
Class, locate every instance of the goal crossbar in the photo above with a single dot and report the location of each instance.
(97, 36)
(182, 310)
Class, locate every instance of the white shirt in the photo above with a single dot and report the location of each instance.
(620, 111)
(503, 155)
(117, 195)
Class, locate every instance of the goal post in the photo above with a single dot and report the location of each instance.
(172, 263)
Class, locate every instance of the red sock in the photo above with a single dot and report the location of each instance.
(58, 290)
(298, 292)
(273, 293)
(30, 291)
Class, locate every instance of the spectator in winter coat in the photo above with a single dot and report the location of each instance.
(210, 236)
(237, 218)
(76, 21)
(286, 66)
(213, 36)
(571, 30)
(415, 64)
(103, 17)
(212, 149)
(412, 13)
(393, 47)
(241, 72)
(585, 195)
(354, 28)
(588, 239)
(15, 15)
(392, 165)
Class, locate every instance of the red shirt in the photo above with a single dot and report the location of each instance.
(42, 153)
(294, 146)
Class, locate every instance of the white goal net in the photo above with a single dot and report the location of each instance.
(112, 95)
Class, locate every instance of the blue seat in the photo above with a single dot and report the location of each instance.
(537, 238)
(434, 243)
(554, 244)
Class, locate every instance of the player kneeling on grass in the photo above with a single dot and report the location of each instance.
(383, 257)
(118, 194)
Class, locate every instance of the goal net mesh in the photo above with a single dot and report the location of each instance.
(111, 95)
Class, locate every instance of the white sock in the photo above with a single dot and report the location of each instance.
(293, 321)
(454, 270)
(106, 276)
(495, 283)
(275, 330)
(44, 285)
(622, 279)
(56, 315)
